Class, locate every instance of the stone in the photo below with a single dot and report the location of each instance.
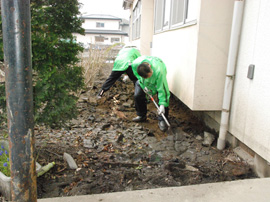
(174, 166)
(70, 161)
(208, 139)
(124, 97)
(241, 170)
(91, 118)
(190, 154)
(191, 168)
(127, 105)
(92, 100)
(179, 147)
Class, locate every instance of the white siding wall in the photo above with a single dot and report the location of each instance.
(250, 114)
(178, 51)
(213, 44)
(90, 38)
(196, 56)
(108, 24)
(147, 28)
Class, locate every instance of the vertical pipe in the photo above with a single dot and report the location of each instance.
(16, 27)
(231, 66)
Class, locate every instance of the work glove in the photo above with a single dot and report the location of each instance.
(147, 91)
(161, 110)
(125, 79)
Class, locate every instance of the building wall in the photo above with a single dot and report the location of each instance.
(196, 56)
(147, 28)
(213, 45)
(250, 112)
(178, 50)
(90, 39)
(108, 24)
(125, 28)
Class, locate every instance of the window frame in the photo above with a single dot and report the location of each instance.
(170, 26)
(99, 37)
(166, 27)
(115, 41)
(99, 24)
(136, 21)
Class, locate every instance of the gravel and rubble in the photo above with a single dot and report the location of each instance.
(113, 153)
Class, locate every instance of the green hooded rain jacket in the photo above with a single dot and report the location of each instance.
(124, 58)
(157, 83)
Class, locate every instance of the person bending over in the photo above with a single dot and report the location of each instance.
(121, 65)
(151, 74)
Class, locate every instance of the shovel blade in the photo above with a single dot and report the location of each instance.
(170, 131)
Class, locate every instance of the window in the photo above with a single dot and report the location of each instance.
(99, 38)
(99, 24)
(167, 8)
(158, 16)
(178, 12)
(115, 40)
(136, 23)
(170, 14)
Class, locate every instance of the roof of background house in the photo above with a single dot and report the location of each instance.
(100, 16)
(113, 32)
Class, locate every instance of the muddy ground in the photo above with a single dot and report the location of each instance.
(114, 154)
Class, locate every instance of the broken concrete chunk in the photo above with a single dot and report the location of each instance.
(92, 100)
(208, 139)
(179, 147)
(191, 168)
(70, 161)
(127, 105)
(198, 137)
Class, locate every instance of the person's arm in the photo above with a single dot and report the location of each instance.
(163, 90)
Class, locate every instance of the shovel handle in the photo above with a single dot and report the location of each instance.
(163, 116)
(165, 119)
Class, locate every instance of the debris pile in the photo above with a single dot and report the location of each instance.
(104, 151)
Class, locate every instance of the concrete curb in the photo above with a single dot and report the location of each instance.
(250, 190)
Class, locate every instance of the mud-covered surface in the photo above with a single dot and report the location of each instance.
(115, 154)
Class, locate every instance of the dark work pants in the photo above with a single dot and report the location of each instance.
(115, 75)
(141, 102)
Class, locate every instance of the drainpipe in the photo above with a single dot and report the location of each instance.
(16, 28)
(231, 66)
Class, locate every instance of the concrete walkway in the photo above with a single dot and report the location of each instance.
(252, 190)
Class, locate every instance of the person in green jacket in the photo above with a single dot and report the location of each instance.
(121, 65)
(151, 73)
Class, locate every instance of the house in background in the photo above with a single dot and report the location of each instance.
(103, 30)
(193, 37)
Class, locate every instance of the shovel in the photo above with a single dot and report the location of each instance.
(163, 116)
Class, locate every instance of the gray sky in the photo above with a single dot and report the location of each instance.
(111, 7)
